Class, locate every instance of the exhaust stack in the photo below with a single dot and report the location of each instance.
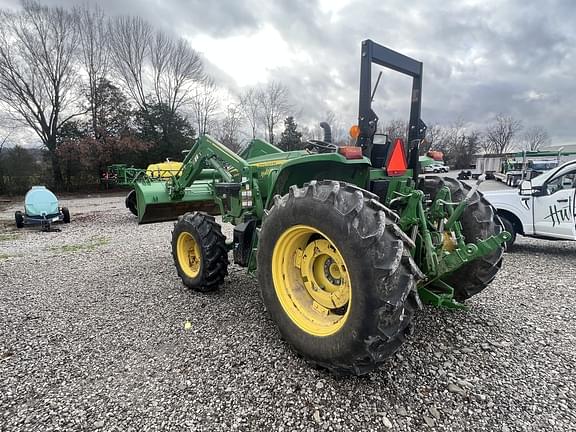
(327, 132)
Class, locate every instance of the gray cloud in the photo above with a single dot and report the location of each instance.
(480, 58)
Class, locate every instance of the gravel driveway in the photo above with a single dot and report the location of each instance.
(98, 333)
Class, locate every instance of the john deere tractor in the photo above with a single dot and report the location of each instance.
(347, 242)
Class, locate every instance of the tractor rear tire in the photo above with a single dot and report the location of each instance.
(479, 221)
(65, 215)
(19, 219)
(200, 252)
(131, 203)
(336, 276)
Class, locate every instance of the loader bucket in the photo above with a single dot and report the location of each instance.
(155, 204)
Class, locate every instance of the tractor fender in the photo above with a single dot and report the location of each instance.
(320, 166)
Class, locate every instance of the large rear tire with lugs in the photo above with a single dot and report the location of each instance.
(200, 252)
(336, 276)
(479, 221)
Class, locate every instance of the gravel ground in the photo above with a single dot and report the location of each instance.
(93, 336)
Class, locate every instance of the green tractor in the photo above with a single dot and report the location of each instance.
(347, 242)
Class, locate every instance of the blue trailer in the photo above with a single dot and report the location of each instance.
(41, 208)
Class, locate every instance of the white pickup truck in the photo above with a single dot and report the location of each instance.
(543, 207)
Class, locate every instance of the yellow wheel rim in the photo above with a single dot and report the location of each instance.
(311, 280)
(189, 254)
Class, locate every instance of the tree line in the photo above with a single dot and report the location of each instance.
(460, 144)
(98, 90)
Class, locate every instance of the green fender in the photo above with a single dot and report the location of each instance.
(321, 166)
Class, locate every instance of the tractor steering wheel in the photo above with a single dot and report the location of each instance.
(321, 146)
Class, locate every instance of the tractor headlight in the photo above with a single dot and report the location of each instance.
(246, 196)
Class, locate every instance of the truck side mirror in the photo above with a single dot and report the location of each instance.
(526, 188)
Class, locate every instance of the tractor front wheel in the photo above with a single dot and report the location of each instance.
(479, 221)
(336, 276)
(200, 252)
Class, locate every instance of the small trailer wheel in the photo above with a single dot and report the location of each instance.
(66, 214)
(19, 219)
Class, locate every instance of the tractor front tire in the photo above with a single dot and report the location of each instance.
(200, 252)
(479, 221)
(65, 215)
(131, 203)
(19, 219)
(336, 276)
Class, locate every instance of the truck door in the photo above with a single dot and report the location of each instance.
(555, 212)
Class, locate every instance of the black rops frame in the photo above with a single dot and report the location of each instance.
(367, 118)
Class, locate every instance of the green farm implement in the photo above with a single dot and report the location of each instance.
(347, 242)
(124, 176)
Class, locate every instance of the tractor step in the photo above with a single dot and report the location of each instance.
(443, 299)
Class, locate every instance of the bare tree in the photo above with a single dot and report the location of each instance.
(339, 133)
(204, 105)
(3, 142)
(395, 129)
(501, 134)
(534, 138)
(250, 106)
(274, 106)
(451, 140)
(436, 138)
(153, 63)
(485, 144)
(314, 133)
(229, 131)
(94, 54)
(130, 41)
(175, 66)
(463, 148)
(37, 70)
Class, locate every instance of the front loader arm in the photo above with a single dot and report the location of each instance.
(205, 152)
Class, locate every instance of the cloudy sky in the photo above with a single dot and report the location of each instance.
(480, 57)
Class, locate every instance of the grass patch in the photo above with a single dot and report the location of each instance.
(4, 256)
(9, 237)
(80, 247)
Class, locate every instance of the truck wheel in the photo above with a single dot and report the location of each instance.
(19, 219)
(479, 221)
(65, 215)
(509, 226)
(200, 252)
(336, 276)
(131, 203)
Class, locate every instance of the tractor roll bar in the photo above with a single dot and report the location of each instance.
(367, 118)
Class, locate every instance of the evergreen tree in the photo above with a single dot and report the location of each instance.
(167, 132)
(113, 113)
(290, 138)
